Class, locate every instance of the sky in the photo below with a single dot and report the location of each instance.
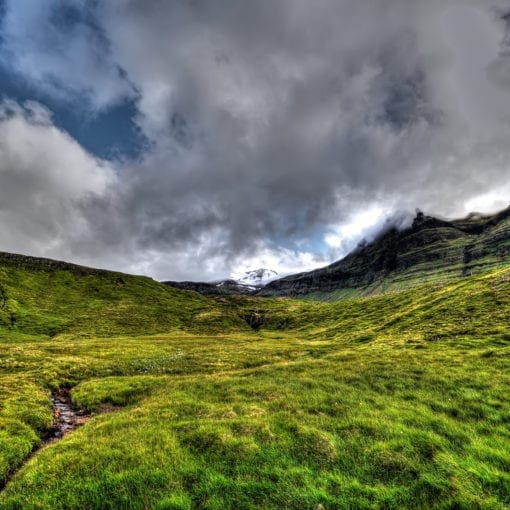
(191, 140)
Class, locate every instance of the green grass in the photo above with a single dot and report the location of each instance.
(51, 303)
(395, 401)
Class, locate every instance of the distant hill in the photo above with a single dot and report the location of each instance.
(44, 297)
(430, 250)
(248, 283)
(222, 288)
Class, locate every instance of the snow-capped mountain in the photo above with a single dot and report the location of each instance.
(256, 278)
(246, 283)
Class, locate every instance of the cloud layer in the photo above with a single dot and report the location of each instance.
(272, 127)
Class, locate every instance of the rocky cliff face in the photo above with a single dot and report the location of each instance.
(430, 250)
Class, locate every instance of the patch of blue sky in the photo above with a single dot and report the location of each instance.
(108, 134)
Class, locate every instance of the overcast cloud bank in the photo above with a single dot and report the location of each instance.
(278, 133)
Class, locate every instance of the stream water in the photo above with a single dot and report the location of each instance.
(65, 417)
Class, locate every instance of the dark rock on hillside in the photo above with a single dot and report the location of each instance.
(431, 249)
(223, 288)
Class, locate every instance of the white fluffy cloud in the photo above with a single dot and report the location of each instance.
(47, 180)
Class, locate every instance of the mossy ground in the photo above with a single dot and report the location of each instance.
(396, 401)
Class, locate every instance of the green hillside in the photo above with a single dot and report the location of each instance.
(430, 250)
(47, 298)
(393, 401)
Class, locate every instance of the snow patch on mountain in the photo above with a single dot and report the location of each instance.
(256, 277)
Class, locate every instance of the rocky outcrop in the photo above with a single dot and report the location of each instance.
(223, 288)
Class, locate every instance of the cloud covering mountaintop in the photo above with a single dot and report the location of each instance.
(274, 133)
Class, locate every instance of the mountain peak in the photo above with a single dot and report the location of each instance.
(256, 277)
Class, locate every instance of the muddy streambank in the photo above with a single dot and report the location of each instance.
(65, 416)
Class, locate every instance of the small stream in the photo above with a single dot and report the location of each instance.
(65, 419)
(65, 416)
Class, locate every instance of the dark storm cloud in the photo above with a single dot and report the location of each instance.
(270, 122)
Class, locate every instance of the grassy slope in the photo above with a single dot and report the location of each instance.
(397, 401)
(48, 302)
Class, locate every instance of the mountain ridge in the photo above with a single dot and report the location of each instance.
(430, 249)
(221, 288)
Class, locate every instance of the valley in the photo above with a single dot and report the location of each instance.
(254, 255)
(391, 401)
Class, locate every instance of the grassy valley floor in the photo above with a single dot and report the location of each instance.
(396, 401)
